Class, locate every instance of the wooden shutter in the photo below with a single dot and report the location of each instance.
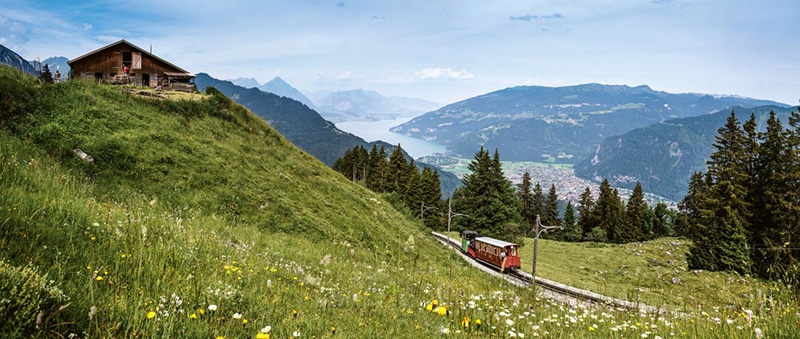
(137, 61)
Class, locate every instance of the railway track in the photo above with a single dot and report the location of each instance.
(551, 288)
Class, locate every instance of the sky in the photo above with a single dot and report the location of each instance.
(439, 50)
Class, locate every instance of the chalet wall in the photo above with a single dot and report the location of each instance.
(106, 65)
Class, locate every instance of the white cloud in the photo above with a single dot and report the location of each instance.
(439, 73)
(87, 27)
(334, 75)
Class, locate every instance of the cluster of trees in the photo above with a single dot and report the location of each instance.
(419, 190)
(496, 209)
(743, 214)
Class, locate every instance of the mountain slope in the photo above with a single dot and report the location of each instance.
(663, 156)
(282, 88)
(557, 124)
(294, 120)
(191, 207)
(12, 59)
(303, 126)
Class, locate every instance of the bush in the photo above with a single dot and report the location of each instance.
(24, 295)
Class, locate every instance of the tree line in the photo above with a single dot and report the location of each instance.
(743, 213)
(418, 189)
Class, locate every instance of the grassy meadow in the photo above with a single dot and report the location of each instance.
(195, 219)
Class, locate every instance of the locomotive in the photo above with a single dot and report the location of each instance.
(501, 254)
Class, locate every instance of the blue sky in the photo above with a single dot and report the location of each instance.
(443, 51)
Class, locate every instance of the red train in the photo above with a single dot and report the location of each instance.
(501, 254)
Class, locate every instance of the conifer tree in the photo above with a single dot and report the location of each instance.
(608, 212)
(572, 232)
(723, 212)
(525, 196)
(550, 216)
(634, 217)
(586, 220)
(488, 198)
(774, 204)
(537, 206)
(46, 76)
(396, 171)
(376, 168)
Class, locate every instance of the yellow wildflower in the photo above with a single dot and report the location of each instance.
(262, 336)
(441, 310)
(151, 315)
(193, 316)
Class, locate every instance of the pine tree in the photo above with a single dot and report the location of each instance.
(609, 212)
(634, 217)
(46, 76)
(663, 220)
(376, 169)
(775, 217)
(723, 212)
(396, 172)
(537, 206)
(488, 198)
(550, 216)
(525, 196)
(572, 232)
(586, 220)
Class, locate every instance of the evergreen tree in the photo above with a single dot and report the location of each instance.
(774, 201)
(724, 210)
(663, 220)
(572, 232)
(550, 216)
(46, 76)
(525, 196)
(689, 206)
(609, 212)
(586, 220)
(634, 217)
(396, 172)
(488, 198)
(376, 169)
(537, 206)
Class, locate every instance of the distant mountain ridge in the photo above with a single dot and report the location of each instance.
(303, 126)
(663, 156)
(11, 58)
(360, 104)
(557, 124)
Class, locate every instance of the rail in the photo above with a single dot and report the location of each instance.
(580, 295)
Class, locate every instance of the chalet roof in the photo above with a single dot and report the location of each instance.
(123, 41)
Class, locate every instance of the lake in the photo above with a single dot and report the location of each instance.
(379, 130)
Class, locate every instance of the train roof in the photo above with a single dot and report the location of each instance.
(495, 242)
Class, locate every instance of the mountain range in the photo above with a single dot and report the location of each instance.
(350, 105)
(557, 124)
(303, 126)
(663, 156)
(11, 58)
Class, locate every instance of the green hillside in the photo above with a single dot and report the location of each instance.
(195, 219)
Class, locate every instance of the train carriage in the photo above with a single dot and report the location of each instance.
(502, 254)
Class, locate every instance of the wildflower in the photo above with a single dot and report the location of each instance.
(478, 323)
(445, 330)
(244, 322)
(294, 313)
(296, 334)
(220, 337)
(729, 321)
(99, 278)
(151, 315)
(434, 302)
(333, 330)
(441, 310)
(591, 328)
(429, 307)
(262, 336)
(465, 322)
(758, 333)
(193, 316)
(237, 315)
(509, 322)
(212, 307)
(266, 329)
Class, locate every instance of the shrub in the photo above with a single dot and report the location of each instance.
(24, 295)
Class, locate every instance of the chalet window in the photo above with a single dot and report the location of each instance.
(126, 58)
(136, 63)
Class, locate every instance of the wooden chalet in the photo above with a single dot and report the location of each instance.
(109, 65)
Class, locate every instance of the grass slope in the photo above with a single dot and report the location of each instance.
(196, 219)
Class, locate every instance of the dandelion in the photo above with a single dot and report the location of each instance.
(294, 313)
(212, 307)
(99, 278)
(151, 315)
(478, 323)
(441, 310)
(262, 336)
(193, 316)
